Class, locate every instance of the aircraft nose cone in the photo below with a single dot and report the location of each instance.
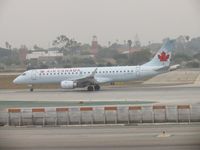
(16, 81)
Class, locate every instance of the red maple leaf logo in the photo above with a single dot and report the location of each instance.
(163, 56)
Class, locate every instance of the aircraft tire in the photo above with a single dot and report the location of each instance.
(90, 88)
(97, 87)
(31, 89)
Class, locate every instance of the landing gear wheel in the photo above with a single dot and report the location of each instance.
(31, 89)
(97, 87)
(90, 88)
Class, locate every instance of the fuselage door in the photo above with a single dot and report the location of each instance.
(137, 71)
(33, 75)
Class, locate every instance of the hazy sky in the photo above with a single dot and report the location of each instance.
(39, 22)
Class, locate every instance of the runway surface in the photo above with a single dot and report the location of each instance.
(179, 137)
(160, 94)
(142, 137)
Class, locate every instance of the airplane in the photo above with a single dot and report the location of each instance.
(93, 77)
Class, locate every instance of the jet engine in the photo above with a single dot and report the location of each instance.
(68, 84)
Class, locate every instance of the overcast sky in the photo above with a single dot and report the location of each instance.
(39, 22)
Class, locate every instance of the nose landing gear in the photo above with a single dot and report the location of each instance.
(31, 88)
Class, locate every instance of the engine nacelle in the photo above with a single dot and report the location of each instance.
(174, 67)
(68, 84)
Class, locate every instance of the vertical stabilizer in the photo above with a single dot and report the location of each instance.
(163, 56)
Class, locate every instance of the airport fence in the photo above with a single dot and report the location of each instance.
(55, 116)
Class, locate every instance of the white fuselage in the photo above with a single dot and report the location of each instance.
(91, 77)
(102, 74)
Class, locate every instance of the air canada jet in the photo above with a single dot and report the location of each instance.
(93, 77)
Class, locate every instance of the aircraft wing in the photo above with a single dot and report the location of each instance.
(91, 79)
(82, 82)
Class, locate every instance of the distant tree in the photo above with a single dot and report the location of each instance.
(66, 44)
(137, 42)
(194, 45)
(120, 56)
(67, 66)
(43, 66)
(129, 44)
(139, 57)
(109, 43)
(87, 61)
(106, 53)
(109, 64)
(81, 62)
(196, 56)
(85, 47)
(193, 64)
(8, 45)
(181, 57)
(187, 37)
(36, 47)
(9, 57)
(85, 53)
(61, 40)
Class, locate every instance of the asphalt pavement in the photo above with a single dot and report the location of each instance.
(182, 94)
(143, 137)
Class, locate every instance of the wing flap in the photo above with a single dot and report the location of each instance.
(88, 80)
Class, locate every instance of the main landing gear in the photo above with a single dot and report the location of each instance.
(95, 87)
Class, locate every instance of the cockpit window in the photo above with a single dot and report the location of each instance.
(23, 74)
